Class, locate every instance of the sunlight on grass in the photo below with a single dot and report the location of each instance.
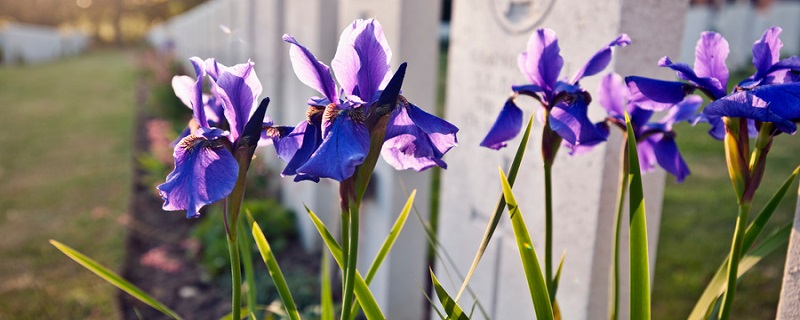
(64, 174)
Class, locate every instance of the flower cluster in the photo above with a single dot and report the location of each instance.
(335, 137)
(206, 166)
(769, 95)
(655, 140)
(564, 103)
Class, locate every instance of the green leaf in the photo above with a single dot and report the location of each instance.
(364, 296)
(326, 293)
(113, 278)
(718, 284)
(454, 312)
(498, 210)
(530, 262)
(639, 256)
(245, 246)
(557, 278)
(275, 272)
(390, 239)
(755, 228)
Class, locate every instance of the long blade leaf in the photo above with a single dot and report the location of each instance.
(718, 284)
(454, 312)
(639, 256)
(498, 210)
(755, 228)
(113, 278)
(326, 293)
(364, 296)
(390, 239)
(275, 273)
(245, 247)
(530, 262)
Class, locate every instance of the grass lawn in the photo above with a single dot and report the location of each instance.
(697, 225)
(65, 171)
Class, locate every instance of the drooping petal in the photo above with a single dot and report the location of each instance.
(311, 71)
(205, 172)
(772, 103)
(183, 86)
(506, 127)
(717, 130)
(416, 139)
(362, 59)
(683, 111)
(766, 52)
(709, 59)
(285, 139)
(601, 59)
(575, 150)
(344, 148)
(712, 86)
(668, 155)
(311, 140)
(542, 61)
(238, 87)
(664, 93)
(647, 155)
(571, 122)
(528, 89)
(613, 95)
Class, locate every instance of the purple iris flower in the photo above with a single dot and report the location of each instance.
(655, 140)
(565, 102)
(205, 167)
(335, 137)
(769, 95)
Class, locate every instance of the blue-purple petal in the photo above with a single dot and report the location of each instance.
(506, 127)
(238, 87)
(204, 173)
(542, 62)
(772, 103)
(416, 139)
(311, 71)
(683, 111)
(613, 95)
(668, 155)
(711, 85)
(709, 60)
(601, 59)
(766, 52)
(571, 122)
(344, 148)
(664, 93)
(311, 140)
(362, 59)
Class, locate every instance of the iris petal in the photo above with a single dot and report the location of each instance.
(571, 122)
(205, 172)
(766, 52)
(712, 85)
(238, 87)
(416, 139)
(506, 127)
(601, 59)
(362, 59)
(311, 140)
(542, 61)
(311, 71)
(613, 95)
(771, 103)
(664, 93)
(344, 148)
(668, 156)
(709, 59)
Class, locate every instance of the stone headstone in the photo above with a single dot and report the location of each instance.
(411, 28)
(789, 303)
(486, 38)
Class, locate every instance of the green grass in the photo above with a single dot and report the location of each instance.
(697, 224)
(65, 170)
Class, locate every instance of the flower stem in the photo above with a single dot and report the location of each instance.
(623, 188)
(233, 207)
(350, 267)
(734, 257)
(236, 277)
(548, 228)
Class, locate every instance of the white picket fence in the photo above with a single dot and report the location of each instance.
(26, 43)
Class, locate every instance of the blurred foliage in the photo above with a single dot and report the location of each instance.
(110, 21)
